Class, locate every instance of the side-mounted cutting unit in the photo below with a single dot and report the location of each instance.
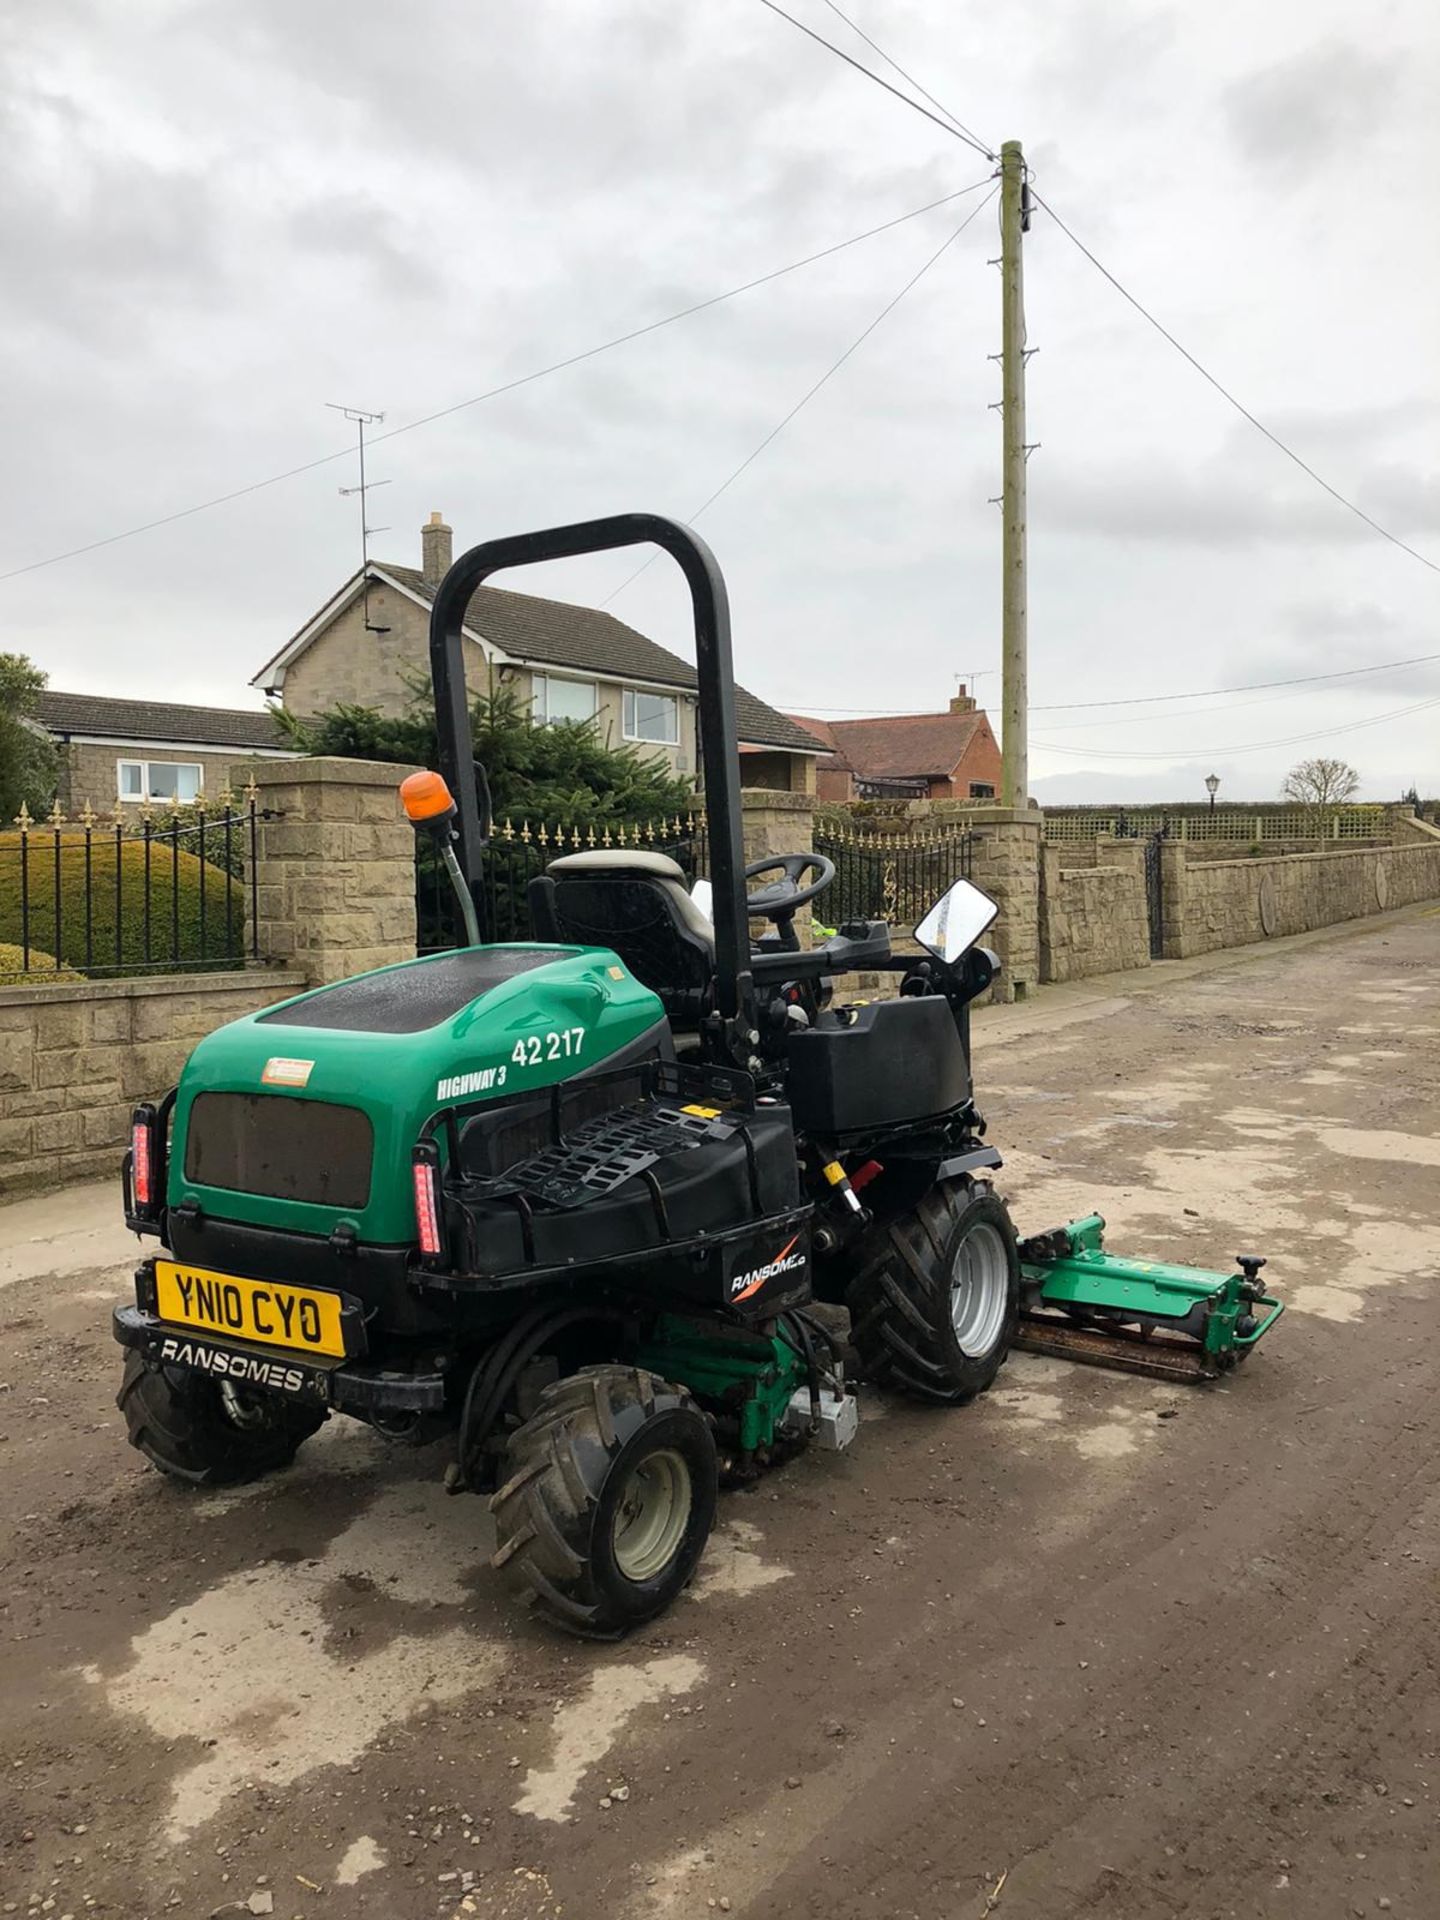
(571, 1201)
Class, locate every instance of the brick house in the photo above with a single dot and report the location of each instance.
(368, 645)
(910, 756)
(132, 751)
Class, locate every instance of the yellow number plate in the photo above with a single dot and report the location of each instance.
(266, 1311)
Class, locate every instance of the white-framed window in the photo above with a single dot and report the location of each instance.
(652, 717)
(553, 699)
(174, 780)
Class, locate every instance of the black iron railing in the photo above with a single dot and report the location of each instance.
(134, 892)
(896, 877)
(518, 852)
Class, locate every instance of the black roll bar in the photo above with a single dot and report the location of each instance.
(719, 757)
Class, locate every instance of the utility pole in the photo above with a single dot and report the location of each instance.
(1014, 218)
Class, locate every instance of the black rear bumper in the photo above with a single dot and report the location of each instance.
(361, 1387)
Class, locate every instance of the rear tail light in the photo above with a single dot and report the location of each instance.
(427, 1201)
(142, 1158)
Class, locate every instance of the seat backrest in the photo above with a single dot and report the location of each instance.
(637, 905)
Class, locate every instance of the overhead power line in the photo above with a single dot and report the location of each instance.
(1197, 693)
(945, 125)
(909, 78)
(956, 131)
(494, 393)
(1238, 405)
(1251, 746)
(1254, 686)
(811, 392)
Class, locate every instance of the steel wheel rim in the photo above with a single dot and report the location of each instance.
(980, 1290)
(652, 1514)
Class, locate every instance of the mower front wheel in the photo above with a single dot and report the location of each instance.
(209, 1433)
(608, 1499)
(936, 1296)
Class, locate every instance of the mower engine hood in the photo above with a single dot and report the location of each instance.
(335, 1085)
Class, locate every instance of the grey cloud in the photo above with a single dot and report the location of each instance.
(1217, 504)
(357, 227)
(1317, 107)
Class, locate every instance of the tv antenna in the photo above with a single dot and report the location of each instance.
(361, 420)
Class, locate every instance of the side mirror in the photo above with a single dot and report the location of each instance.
(956, 921)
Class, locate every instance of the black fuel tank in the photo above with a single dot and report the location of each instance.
(879, 1065)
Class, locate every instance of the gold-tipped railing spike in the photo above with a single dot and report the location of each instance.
(225, 798)
(56, 816)
(24, 819)
(88, 816)
(251, 791)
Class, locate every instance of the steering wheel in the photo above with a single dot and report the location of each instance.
(783, 897)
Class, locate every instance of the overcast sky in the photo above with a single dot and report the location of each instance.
(216, 218)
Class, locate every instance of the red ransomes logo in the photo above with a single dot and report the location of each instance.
(744, 1284)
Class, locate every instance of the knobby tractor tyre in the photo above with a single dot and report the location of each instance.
(936, 1295)
(190, 1428)
(608, 1499)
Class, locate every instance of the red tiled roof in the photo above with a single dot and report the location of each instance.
(898, 746)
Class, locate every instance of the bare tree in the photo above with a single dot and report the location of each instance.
(1321, 787)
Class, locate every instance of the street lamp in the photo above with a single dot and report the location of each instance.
(1212, 782)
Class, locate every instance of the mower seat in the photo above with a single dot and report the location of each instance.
(636, 904)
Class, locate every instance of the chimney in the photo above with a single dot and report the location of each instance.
(962, 701)
(436, 550)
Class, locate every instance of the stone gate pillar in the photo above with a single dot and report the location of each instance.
(335, 890)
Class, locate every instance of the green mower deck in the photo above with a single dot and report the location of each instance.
(1144, 1316)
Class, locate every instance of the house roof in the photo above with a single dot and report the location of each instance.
(900, 746)
(556, 633)
(140, 720)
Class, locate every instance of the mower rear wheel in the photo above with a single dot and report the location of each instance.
(936, 1296)
(207, 1432)
(608, 1499)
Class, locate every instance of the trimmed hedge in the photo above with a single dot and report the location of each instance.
(27, 867)
(44, 968)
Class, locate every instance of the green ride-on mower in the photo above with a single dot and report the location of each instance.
(572, 1200)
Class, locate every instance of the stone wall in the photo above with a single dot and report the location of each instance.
(1408, 830)
(374, 660)
(1231, 903)
(1093, 919)
(75, 1059)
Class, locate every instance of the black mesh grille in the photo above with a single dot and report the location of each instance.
(412, 998)
(282, 1147)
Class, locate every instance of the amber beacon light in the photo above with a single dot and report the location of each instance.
(426, 799)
